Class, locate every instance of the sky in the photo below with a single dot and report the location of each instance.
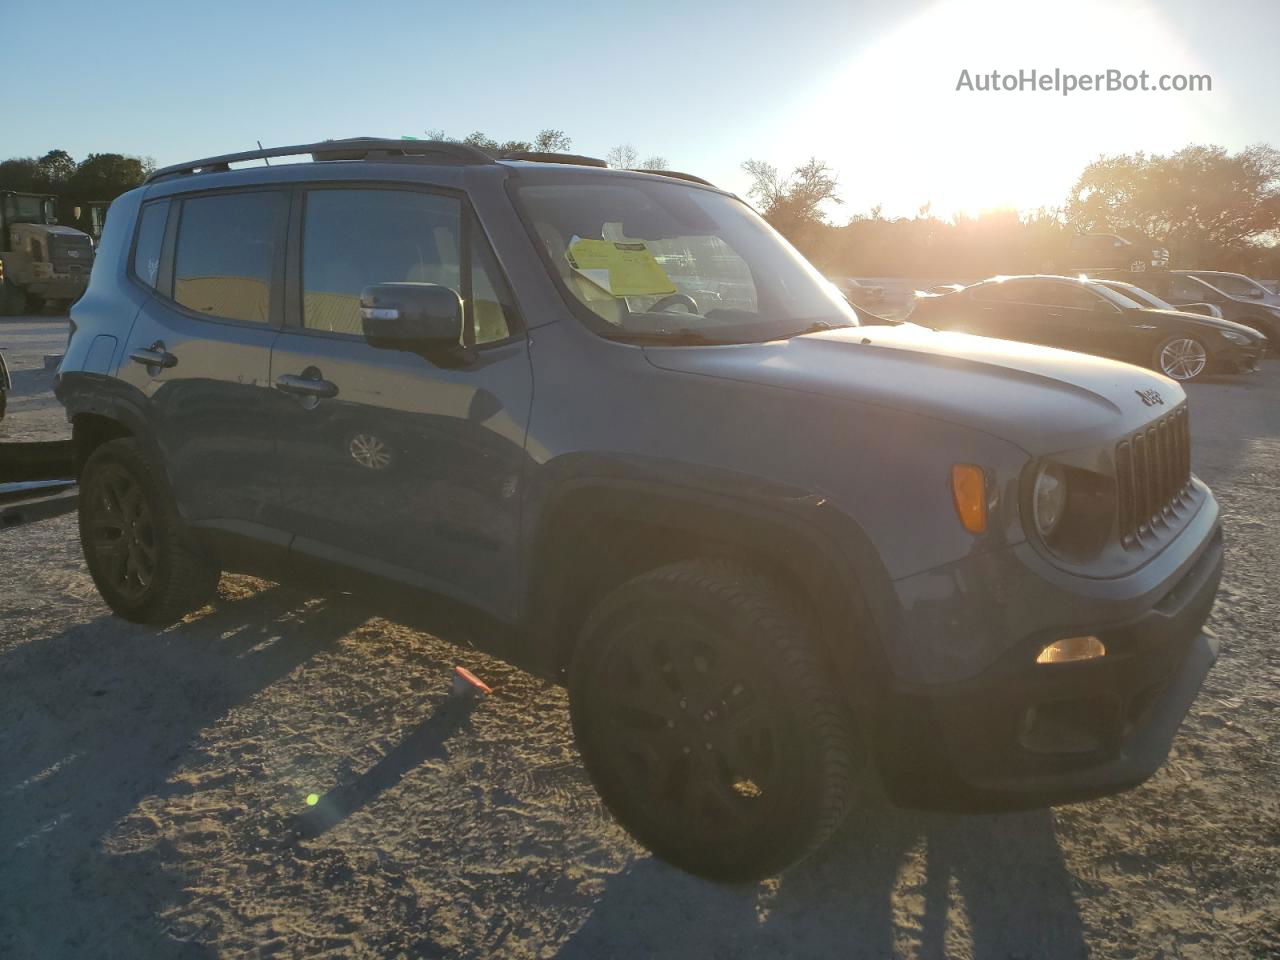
(869, 88)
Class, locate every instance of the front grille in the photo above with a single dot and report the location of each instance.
(1153, 476)
(72, 255)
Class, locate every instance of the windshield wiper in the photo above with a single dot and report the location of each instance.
(818, 326)
(669, 338)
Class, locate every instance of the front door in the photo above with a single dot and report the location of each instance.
(402, 468)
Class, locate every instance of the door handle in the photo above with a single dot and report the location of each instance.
(154, 356)
(1054, 316)
(309, 384)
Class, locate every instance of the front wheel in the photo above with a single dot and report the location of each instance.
(1137, 266)
(708, 722)
(142, 559)
(1182, 358)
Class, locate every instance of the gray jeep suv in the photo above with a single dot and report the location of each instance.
(771, 552)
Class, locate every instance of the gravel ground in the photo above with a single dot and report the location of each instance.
(153, 785)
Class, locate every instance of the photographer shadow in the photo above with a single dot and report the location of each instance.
(890, 882)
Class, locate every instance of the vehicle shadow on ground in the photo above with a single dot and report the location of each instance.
(891, 882)
(122, 731)
(426, 741)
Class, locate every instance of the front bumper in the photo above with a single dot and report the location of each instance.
(1021, 734)
(1239, 359)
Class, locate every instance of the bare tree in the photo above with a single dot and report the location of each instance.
(655, 162)
(623, 157)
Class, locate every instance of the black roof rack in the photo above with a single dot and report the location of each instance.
(679, 176)
(356, 148)
(535, 156)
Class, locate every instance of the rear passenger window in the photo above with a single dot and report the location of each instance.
(226, 254)
(146, 251)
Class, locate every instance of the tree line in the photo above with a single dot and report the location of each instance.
(1210, 207)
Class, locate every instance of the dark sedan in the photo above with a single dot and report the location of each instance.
(1080, 315)
(1181, 287)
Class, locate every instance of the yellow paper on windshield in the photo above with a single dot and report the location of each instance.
(621, 269)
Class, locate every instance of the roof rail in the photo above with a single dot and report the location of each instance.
(372, 149)
(676, 174)
(535, 156)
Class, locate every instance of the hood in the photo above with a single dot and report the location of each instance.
(1042, 399)
(1199, 320)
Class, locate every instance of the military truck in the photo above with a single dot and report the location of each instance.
(40, 261)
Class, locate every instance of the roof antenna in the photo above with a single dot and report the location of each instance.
(265, 160)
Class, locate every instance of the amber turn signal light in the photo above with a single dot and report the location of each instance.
(1070, 649)
(969, 489)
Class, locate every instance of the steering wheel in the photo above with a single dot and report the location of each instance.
(671, 299)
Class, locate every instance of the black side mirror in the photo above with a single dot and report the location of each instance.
(423, 318)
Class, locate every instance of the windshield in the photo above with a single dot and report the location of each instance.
(1138, 294)
(654, 260)
(28, 210)
(1236, 286)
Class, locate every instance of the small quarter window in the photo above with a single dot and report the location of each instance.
(146, 251)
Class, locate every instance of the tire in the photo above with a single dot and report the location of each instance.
(1181, 358)
(708, 723)
(1137, 266)
(143, 560)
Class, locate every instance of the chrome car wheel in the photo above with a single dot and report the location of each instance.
(1183, 359)
(369, 451)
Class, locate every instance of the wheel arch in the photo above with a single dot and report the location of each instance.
(595, 535)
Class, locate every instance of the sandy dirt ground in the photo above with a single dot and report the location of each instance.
(153, 786)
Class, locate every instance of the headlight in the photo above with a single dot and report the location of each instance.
(1049, 499)
(1232, 337)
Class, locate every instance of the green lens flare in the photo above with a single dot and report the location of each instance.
(313, 799)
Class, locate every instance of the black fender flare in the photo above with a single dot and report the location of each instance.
(802, 535)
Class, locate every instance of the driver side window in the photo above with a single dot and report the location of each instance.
(352, 239)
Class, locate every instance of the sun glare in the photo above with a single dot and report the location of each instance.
(893, 125)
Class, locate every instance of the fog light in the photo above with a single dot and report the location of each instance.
(1072, 648)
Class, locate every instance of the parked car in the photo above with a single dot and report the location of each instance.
(1079, 314)
(859, 294)
(1148, 299)
(1180, 288)
(1236, 285)
(749, 540)
(1108, 251)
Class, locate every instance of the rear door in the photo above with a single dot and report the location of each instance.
(405, 469)
(199, 351)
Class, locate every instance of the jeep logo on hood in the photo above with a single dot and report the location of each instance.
(1150, 397)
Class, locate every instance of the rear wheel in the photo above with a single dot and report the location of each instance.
(1137, 266)
(144, 562)
(1182, 358)
(708, 723)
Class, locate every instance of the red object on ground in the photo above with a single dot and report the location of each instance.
(471, 678)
